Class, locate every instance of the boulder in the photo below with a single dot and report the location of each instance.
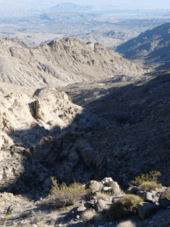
(107, 189)
(81, 208)
(149, 197)
(95, 186)
(126, 224)
(146, 209)
(106, 180)
(164, 199)
(112, 187)
(101, 205)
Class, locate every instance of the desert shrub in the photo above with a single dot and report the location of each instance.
(8, 212)
(101, 195)
(63, 195)
(124, 206)
(148, 181)
(150, 186)
(167, 196)
(88, 215)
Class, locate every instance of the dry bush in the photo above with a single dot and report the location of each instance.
(146, 186)
(63, 195)
(124, 206)
(88, 215)
(148, 181)
(100, 195)
(126, 224)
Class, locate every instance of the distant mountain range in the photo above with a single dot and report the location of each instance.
(152, 46)
(71, 7)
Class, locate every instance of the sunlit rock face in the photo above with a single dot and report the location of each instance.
(61, 62)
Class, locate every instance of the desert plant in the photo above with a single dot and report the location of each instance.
(101, 195)
(150, 186)
(88, 215)
(124, 206)
(8, 212)
(63, 195)
(148, 181)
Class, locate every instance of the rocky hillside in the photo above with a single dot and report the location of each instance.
(105, 125)
(60, 63)
(152, 45)
(44, 134)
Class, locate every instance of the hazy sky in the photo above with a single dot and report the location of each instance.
(118, 4)
(130, 4)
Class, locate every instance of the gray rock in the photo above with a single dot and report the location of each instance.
(81, 208)
(101, 205)
(164, 199)
(110, 186)
(106, 180)
(95, 186)
(148, 197)
(107, 189)
(146, 209)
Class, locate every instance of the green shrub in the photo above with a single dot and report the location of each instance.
(150, 186)
(124, 206)
(167, 196)
(8, 212)
(148, 181)
(63, 195)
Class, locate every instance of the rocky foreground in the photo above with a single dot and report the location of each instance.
(106, 205)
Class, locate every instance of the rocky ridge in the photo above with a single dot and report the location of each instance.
(152, 46)
(60, 63)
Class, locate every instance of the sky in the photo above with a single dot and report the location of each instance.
(99, 4)
(130, 4)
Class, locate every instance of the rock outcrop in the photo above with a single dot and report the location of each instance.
(60, 63)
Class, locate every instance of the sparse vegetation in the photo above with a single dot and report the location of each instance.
(2, 221)
(8, 212)
(167, 196)
(124, 206)
(88, 215)
(101, 195)
(64, 195)
(148, 181)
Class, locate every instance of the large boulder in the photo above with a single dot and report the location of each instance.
(94, 186)
(164, 199)
(110, 186)
(146, 209)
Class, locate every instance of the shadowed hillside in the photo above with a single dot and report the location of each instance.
(82, 145)
(152, 46)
